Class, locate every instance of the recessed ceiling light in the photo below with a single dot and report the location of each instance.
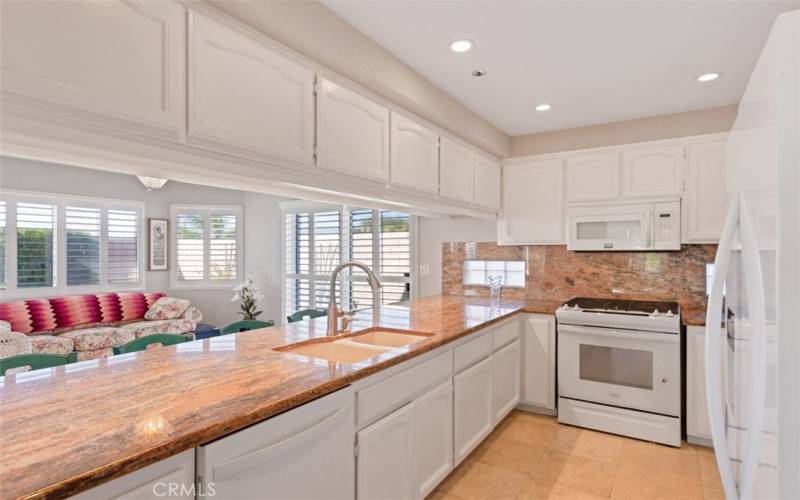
(707, 77)
(461, 45)
(479, 72)
(542, 107)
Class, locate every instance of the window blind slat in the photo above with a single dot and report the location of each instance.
(36, 229)
(222, 247)
(82, 230)
(123, 247)
(189, 246)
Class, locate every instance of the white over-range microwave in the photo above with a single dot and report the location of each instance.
(625, 226)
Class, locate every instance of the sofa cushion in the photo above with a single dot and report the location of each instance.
(14, 344)
(89, 339)
(103, 352)
(193, 314)
(50, 344)
(142, 328)
(166, 308)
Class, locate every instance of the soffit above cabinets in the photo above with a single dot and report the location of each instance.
(594, 62)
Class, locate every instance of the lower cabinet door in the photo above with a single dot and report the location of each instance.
(507, 379)
(305, 453)
(385, 467)
(697, 421)
(539, 388)
(433, 437)
(473, 407)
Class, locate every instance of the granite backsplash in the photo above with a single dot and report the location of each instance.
(555, 273)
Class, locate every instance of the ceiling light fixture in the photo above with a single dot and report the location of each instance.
(542, 107)
(707, 77)
(151, 183)
(479, 72)
(461, 45)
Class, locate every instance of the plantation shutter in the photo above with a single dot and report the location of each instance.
(395, 256)
(297, 287)
(123, 247)
(2, 245)
(189, 247)
(36, 231)
(222, 247)
(82, 231)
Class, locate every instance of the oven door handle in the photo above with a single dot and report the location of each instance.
(713, 348)
(666, 338)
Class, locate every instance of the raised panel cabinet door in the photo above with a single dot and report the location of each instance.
(473, 407)
(487, 183)
(533, 203)
(246, 95)
(697, 420)
(456, 171)
(415, 155)
(277, 456)
(652, 172)
(116, 62)
(507, 379)
(433, 437)
(539, 361)
(705, 199)
(386, 457)
(352, 133)
(172, 477)
(593, 177)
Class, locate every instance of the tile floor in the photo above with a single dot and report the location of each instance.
(532, 457)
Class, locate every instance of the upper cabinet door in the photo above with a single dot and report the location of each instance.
(705, 199)
(593, 177)
(533, 203)
(487, 183)
(652, 172)
(352, 133)
(114, 62)
(456, 171)
(245, 95)
(415, 155)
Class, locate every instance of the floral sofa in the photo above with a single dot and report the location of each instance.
(90, 325)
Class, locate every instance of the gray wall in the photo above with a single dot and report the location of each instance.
(262, 224)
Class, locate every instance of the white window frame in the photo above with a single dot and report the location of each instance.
(293, 207)
(61, 201)
(205, 210)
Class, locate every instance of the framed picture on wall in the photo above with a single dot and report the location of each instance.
(158, 241)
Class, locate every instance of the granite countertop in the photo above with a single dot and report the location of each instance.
(69, 428)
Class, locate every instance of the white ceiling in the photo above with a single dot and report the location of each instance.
(595, 62)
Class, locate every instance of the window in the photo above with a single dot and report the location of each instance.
(49, 242)
(477, 272)
(206, 246)
(318, 238)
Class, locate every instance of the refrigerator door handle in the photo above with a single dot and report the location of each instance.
(754, 284)
(714, 334)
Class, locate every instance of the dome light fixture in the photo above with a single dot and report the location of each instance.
(707, 77)
(461, 45)
(151, 183)
(543, 107)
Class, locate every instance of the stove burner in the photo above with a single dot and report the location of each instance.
(616, 306)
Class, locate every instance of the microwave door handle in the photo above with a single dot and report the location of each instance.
(647, 230)
(713, 348)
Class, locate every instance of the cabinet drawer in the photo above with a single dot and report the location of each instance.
(474, 350)
(393, 392)
(505, 334)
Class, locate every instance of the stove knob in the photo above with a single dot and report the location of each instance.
(655, 314)
(669, 314)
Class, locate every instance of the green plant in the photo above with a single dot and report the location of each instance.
(249, 294)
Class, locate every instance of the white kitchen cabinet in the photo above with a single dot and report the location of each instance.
(593, 177)
(705, 199)
(456, 171)
(433, 437)
(115, 63)
(533, 203)
(352, 133)
(697, 421)
(652, 172)
(539, 361)
(277, 456)
(473, 408)
(386, 457)
(152, 481)
(244, 94)
(487, 182)
(507, 379)
(415, 155)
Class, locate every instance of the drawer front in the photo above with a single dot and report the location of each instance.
(393, 392)
(473, 351)
(506, 333)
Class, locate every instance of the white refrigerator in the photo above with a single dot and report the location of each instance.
(753, 321)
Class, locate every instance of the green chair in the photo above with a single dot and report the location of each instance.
(142, 343)
(245, 325)
(34, 361)
(306, 313)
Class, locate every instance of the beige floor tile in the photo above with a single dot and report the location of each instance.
(529, 432)
(655, 486)
(512, 455)
(590, 444)
(709, 472)
(712, 493)
(541, 489)
(642, 458)
(576, 471)
(535, 417)
(488, 481)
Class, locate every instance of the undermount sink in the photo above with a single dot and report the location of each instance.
(355, 347)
